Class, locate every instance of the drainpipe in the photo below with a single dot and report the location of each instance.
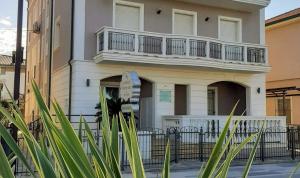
(50, 55)
(70, 60)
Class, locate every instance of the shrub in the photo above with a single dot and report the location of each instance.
(60, 152)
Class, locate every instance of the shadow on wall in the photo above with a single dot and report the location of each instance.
(227, 94)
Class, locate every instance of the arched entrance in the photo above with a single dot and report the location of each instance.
(111, 87)
(222, 96)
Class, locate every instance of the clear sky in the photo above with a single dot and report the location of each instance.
(278, 7)
(8, 19)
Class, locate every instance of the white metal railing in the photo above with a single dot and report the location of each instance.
(157, 44)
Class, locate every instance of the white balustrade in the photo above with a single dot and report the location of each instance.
(213, 125)
(170, 45)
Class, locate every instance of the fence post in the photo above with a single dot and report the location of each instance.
(288, 130)
(176, 145)
(262, 147)
(201, 144)
(228, 147)
(122, 153)
(16, 162)
(293, 143)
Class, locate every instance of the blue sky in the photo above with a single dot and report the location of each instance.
(8, 19)
(278, 7)
(8, 13)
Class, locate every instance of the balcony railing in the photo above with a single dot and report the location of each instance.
(179, 46)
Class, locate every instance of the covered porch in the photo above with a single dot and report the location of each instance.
(221, 98)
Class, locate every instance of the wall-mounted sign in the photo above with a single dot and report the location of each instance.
(130, 89)
(165, 96)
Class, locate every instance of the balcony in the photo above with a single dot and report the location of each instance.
(242, 5)
(118, 45)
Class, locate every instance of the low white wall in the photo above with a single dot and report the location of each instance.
(60, 87)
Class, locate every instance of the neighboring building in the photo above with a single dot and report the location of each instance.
(283, 82)
(7, 74)
(194, 58)
(38, 53)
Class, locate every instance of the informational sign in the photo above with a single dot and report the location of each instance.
(130, 89)
(165, 96)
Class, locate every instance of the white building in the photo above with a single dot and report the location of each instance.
(195, 59)
(7, 73)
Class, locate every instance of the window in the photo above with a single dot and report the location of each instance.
(212, 101)
(230, 29)
(284, 109)
(184, 22)
(57, 33)
(128, 15)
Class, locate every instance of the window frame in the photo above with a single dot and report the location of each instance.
(291, 106)
(235, 19)
(186, 12)
(132, 4)
(216, 100)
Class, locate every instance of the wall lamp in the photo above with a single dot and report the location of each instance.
(88, 82)
(258, 90)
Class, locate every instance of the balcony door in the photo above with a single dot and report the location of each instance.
(230, 29)
(128, 15)
(184, 22)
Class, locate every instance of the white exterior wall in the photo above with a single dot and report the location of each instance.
(60, 87)
(84, 99)
(8, 80)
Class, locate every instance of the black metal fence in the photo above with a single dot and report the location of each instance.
(194, 144)
(190, 143)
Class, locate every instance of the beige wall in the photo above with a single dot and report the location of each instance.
(284, 57)
(33, 56)
(99, 14)
(284, 53)
(61, 56)
(296, 110)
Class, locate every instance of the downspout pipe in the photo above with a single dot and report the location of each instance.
(70, 60)
(50, 55)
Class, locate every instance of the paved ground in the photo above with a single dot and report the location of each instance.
(267, 170)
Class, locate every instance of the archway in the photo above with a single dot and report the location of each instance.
(111, 87)
(223, 95)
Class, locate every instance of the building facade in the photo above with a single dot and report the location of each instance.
(283, 82)
(194, 58)
(7, 74)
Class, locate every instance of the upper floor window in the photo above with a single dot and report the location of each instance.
(128, 15)
(230, 29)
(184, 22)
